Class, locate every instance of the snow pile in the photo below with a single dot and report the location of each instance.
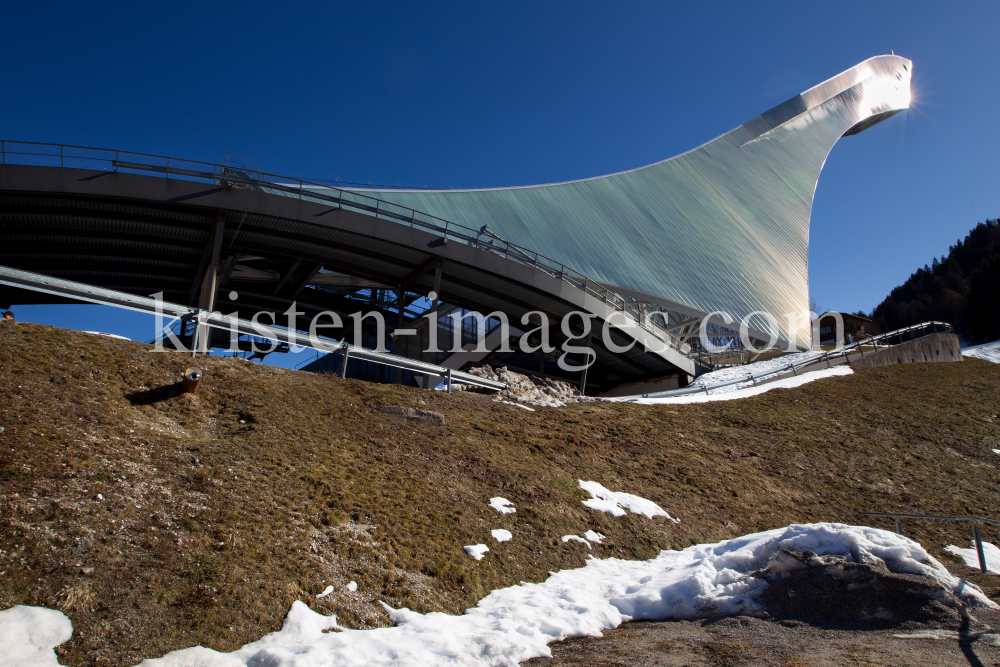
(352, 586)
(987, 351)
(971, 558)
(477, 551)
(593, 537)
(29, 636)
(758, 369)
(728, 393)
(326, 591)
(575, 538)
(515, 624)
(615, 503)
(530, 390)
(501, 535)
(502, 505)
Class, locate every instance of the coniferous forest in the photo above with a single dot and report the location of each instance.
(962, 287)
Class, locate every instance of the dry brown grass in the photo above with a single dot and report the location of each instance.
(221, 508)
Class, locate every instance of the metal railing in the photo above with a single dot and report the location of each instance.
(898, 518)
(818, 357)
(238, 173)
(240, 327)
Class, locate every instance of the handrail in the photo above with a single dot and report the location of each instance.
(107, 297)
(845, 351)
(234, 175)
(943, 517)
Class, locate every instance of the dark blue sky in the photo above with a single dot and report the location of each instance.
(476, 94)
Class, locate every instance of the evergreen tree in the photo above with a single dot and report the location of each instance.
(962, 288)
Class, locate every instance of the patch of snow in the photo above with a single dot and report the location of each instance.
(990, 551)
(514, 624)
(615, 503)
(29, 635)
(988, 636)
(996, 451)
(101, 333)
(730, 393)
(326, 591)
(575, 538)
(501, 535)
(593, 537)
(986, 351)
(353, 586)
(502, 505)
(518, 405)
(476, 550)
(758, 368)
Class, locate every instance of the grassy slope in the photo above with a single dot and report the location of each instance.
(221, 508)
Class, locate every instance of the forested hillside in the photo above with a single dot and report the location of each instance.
(963, 287)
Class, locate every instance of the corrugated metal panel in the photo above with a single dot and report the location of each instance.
(722, 227)
(90, 242)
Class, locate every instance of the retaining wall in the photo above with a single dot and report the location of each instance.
(935, 347)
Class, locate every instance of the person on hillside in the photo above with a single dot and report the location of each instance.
(8, 315)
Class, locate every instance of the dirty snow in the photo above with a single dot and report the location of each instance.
(514, 624)
(729, 393)
(990, 551)
(501, 535)
(575, 538)
(477, 551)
(593, 537)
(518, 405)
(616, 503)
(987, 351)
(758, 368)
(29, 636)
(502, 505)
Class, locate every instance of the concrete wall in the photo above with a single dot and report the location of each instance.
(936, 347)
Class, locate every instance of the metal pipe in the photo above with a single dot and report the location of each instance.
(449, 380)
(979, 547)
(343, 366)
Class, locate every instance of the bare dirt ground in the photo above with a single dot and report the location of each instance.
(744, 641)
(158, 520)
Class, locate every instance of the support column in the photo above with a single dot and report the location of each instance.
(583, 375)
(209, 282)
(400, 301)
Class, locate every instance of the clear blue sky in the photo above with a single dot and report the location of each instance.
(487, 94)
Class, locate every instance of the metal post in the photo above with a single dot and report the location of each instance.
(827, 360)
(979, 547)
(198, 333)
(449, 380)
(899, 526)
(794, 372)
(399, 325)
(343, 366)
(62, 160)
(583, 375)
(753, 379)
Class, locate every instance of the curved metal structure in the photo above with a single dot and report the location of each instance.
(724, 227)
